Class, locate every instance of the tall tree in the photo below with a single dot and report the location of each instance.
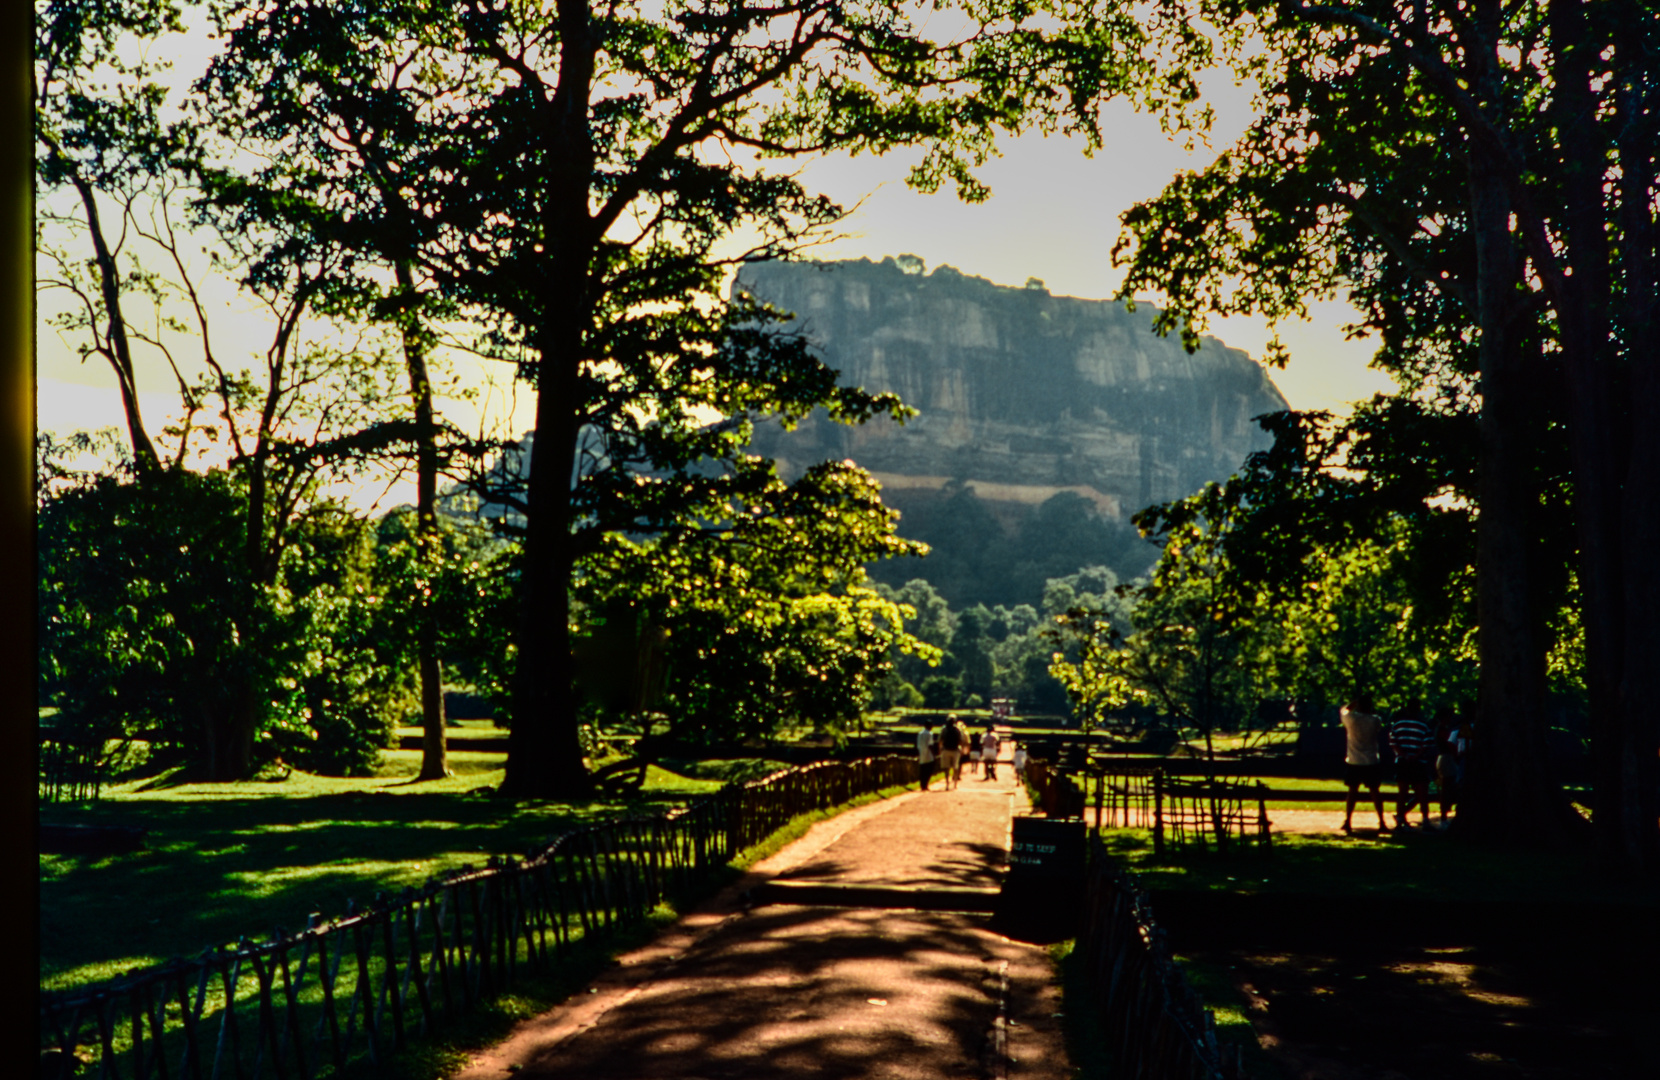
(115, 175)
(1497, 160)
(100, 134)
(585, 176)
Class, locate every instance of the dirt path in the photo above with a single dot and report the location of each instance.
(742, 990)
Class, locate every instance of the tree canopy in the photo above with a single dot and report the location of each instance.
(1479, 179)
(580, 179)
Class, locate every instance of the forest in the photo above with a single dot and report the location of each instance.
(567, 190)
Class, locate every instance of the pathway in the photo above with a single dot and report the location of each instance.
(861, 950)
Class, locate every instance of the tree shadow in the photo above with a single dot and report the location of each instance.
(213, 871)
(796, 991)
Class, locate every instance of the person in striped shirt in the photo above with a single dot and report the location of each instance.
(1413, 741)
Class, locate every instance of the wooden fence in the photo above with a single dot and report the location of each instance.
(1154, 1024)
(304, 1005)
(1210, 813)
(1203, 813)
(71, 765)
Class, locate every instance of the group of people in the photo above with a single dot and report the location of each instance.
(953, 746)
(1422, 752)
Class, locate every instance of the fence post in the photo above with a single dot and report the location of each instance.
(1158, 810)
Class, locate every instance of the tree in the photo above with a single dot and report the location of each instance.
(930, 620)
(151, 628)
(99, 131)
(583, 174)
(1191, 634)
(286, 428)
(752, 625)
(1494, 163)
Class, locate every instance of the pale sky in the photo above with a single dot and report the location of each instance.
(1053, 214)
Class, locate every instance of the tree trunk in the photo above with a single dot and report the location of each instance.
(1615, 455)
(544, 748)
(434, 739)
(1626, 816)
(119, 353)
(228, 725)
(1511, 798)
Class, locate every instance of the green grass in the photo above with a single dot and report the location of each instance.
(728, 770)
(1226, 1003)
(229, 860)
(223, 861)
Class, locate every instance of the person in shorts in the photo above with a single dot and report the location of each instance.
(1413, 741)
(953, 736)
(1362, 765)
(989, 748)
(926, 741)
(1449, 758)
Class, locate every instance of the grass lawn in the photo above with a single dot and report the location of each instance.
(228, 860)
(222, 861)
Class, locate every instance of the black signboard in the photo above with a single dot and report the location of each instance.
(1043, 892)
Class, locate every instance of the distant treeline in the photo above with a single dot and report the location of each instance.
(993, 651)
(976, 559)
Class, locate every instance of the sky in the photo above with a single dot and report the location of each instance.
(1053, 214)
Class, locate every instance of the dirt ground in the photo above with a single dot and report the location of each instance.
(1362, 989)
(740, 989)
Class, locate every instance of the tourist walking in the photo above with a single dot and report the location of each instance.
(1361, 766)
(988, 752)
(1449, 757)
(1414, 745)
(953, 737)
(1020, 761)
(926, 741)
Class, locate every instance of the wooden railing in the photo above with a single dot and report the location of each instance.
(1154, 1024)
(1210, 813)
(307, 1004)
(1203, 813)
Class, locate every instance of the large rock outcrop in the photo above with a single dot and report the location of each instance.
(1022, 395)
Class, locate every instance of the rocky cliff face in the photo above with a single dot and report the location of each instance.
(1022, 395)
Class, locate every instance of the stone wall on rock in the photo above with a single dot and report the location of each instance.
(1022, 394)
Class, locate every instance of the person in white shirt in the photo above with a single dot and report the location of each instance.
(1019, 761)
(1362, 765)
(925, 752)
(988, 753)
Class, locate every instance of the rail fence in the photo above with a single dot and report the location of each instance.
(71, 765)
(1211, 813)
(1155, 1025)
(305, 1005)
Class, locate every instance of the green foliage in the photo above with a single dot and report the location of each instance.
(591, 178)
(757, 623)
(972, 560)
(152, 626)
(1187, 650)
(1207, 639)
(133, 639)
(941, 692)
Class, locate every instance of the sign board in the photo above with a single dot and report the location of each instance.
(1043, 892)
(1046, 849)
